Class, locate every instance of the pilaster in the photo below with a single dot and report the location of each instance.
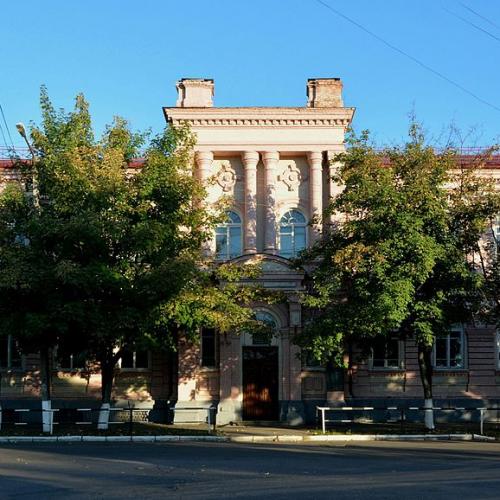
(270, 160)
(315, 159)
(250, 160)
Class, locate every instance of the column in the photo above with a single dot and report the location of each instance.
(250, 160)
(315, 192)
(204, 161)
(270, 160)
(334, 188)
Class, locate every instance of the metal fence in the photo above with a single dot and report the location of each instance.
(127, 418)
(398, 414)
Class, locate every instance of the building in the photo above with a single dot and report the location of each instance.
(275, 165)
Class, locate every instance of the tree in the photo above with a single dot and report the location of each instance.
(110, 259)
(110, 256)
(398, 259)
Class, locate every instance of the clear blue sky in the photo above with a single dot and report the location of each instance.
(126, 56)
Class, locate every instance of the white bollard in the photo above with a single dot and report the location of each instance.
(103, 420)
(47, 416)
(481, 420)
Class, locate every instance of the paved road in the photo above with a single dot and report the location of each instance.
(224, 470)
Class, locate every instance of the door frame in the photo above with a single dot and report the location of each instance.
(276, 341)
(277, 351)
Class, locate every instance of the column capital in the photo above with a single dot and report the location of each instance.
(315, 157)
(270, 157)
(204, 156)
(250, 158)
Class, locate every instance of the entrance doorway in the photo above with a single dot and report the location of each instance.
(260, 383)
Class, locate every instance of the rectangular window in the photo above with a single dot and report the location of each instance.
(309, 361)
(235, 242)
(387, 354)
(135, 360)
(70, 361)
(208, 348)
(10, 354)
(498, 350)
(449, 350)
(221, 243)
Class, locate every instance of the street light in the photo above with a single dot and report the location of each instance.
(36, 194)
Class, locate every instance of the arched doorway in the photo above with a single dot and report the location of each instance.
(260, 370)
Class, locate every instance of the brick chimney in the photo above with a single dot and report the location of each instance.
(195, 93)
(324, 93)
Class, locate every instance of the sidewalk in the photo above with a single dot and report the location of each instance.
(246, 433)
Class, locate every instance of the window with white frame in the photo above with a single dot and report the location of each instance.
(449, 350)
(292, 234)
(496, 228)
(10, 354)
(228, 237)
(387, 354)
(135, 360)
(70, 361)
(498, 350)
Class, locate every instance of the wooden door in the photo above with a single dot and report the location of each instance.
(260, 383)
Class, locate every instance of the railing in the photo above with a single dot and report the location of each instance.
(125, 417)
(402, 413)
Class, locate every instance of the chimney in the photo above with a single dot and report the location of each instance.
(324, 93)
(195, 93)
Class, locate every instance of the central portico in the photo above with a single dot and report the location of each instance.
(274, 164)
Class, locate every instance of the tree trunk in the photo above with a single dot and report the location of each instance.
(108, 363)
(349, 370)
(425, 365)
(46, 390)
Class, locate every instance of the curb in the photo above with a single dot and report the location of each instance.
(359, 437)
(278, 438)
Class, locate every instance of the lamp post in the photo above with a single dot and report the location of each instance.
(45, 353)
(36, 193)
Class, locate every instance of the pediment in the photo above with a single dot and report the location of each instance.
(270, 264)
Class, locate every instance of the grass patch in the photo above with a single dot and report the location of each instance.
(121, 429)
(490, 429)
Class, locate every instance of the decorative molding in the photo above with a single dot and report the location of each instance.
(226, 176)
(264, 122)
(291, 176)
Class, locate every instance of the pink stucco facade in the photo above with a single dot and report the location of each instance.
(270, 162)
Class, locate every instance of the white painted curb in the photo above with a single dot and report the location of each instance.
(277, 438)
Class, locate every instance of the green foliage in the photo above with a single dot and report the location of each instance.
(398, 258)
(111, 259)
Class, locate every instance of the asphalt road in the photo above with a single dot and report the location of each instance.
(223, 470)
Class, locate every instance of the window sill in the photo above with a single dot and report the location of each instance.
(386, 371)
(209, 369)
(316, 369)
(451, 371)
(71, 370)
(134, 370)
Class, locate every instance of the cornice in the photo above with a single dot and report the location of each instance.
(261, 117)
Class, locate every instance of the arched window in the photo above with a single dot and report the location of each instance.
(292, 234)
(270, 322)
(228, 237)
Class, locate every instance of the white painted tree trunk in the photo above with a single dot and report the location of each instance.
(47, 416)
(103, 421)
(429, 414)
